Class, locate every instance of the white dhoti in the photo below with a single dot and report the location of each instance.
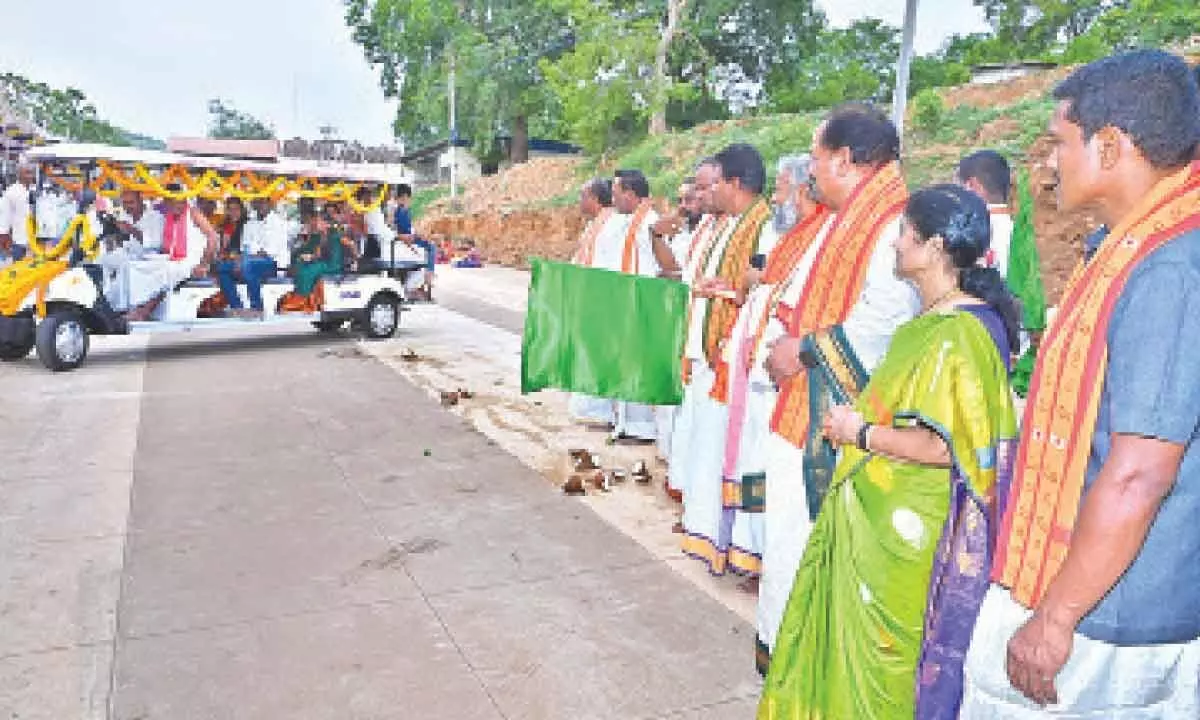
(148, 278)
(590, 409)
(749, 470)
(1099, 682)
(635, 420)
(787, 528)
(708, 528)
(130, 282)
(683, 432)
(664, 418)
(114, 266)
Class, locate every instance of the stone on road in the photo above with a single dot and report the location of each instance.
(249, 527)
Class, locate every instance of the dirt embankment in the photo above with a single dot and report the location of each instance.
(1059, 234)
(508, 217)
(510, 238)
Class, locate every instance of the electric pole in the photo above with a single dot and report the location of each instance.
(453, 138)
(900, 99)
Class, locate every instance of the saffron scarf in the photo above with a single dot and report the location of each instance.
(834, 283)
(175, 235)
(722, 312)
(708, 234)
(629, 255)
(701, 238)
(782, 264)
(586, 252)
(1064, 398)
(748, 492)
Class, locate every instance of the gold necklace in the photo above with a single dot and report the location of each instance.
(941, 299)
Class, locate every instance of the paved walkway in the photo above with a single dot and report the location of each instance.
(284, 527)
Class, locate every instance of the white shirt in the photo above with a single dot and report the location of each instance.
(15, 215)
(610, 244)
(54, 214)
(150, 224)
(1002, 229)
(680, 244)
(377, 225)
(885, 303)
(268, 235)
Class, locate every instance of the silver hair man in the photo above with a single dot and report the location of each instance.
(790, 178)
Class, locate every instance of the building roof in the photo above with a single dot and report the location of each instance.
(553, 147)
(213, 147)
(434, 150)
(1019, 65)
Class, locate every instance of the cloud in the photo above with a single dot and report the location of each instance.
(152, 65)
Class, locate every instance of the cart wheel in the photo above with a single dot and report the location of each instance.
(382, 317)
(62, 341)
(10, 352)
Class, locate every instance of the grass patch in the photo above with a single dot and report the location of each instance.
(422, 199)
(930, 154)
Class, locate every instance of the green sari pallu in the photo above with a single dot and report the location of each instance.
(327, 259)
(835, 377)
(855, 626)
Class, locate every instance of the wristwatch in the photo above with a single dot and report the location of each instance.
(861, 442)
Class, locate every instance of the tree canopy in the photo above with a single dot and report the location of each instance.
(227, 122)
(604, 72)
(66, 113)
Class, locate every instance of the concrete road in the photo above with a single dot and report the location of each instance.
(286, 526)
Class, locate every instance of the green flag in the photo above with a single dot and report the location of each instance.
(1025, 280)
(1024, 266)
(604, 333)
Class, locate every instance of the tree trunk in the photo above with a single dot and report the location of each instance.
(658, 119)
(518, 152)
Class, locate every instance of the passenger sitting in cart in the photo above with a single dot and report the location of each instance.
(319, 251)
(189, 243)
(404, 232)
(349, 229)
(134, 269)
(245, 255)
(377, 234)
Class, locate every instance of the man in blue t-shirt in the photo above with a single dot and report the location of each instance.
(404, 233)
(1115, 633)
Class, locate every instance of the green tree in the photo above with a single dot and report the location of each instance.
(495, 49)
(853, 63)
(933, 72)
(1146, 23)
(1035, 27)
(66, 113)
(730, 47)
(604, 85)
(226, 121)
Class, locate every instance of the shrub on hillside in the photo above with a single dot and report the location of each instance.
(929, 110)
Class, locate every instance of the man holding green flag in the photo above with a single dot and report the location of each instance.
(1014, 249)
(611, 330)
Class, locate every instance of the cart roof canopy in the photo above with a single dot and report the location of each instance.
(82, 153)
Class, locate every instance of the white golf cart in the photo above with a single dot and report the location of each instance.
(64, 301)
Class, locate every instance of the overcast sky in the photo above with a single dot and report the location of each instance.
(152, 65)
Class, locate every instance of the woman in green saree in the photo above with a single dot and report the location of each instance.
(320, 250)
(885, 599)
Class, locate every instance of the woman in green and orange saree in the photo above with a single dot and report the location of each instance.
(897, 564)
